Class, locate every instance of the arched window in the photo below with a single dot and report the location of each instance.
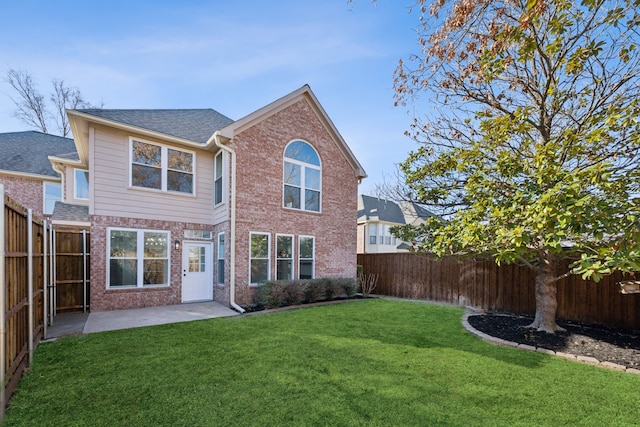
(302, 177)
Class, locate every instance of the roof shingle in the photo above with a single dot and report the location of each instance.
(28, 152)
(191, 124)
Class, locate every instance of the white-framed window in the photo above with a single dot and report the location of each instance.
(306, 267)
(218, 179)
(197, 234)
(387, 235)
(302, 177)
(373, 233)
(259, 249)
(220, 266)
(137, 258)
(284, 257)
(81, 184)
(159, 167)
(52, 194)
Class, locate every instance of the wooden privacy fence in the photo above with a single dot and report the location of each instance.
(23, 277)
(509, 289)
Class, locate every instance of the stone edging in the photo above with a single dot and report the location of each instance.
(583, 359)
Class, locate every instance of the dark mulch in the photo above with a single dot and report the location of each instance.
(602, 343)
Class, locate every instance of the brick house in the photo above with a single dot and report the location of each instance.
(189, 205)
(26, 171)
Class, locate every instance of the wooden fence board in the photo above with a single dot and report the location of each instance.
(17, 227)
(511, 289)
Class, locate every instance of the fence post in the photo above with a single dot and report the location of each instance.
(84, 271)
(3, 327)
(30, 282)
(45, 278)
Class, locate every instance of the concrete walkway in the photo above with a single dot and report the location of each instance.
(86, 323)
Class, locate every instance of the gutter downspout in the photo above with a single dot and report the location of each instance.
(232, 237)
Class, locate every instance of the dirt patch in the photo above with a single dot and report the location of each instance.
(605, 344)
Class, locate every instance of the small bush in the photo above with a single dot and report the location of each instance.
(280, 293)
(312, 292)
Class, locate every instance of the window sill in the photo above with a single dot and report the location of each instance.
(164, 192)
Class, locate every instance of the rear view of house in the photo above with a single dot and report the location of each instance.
(189, 205)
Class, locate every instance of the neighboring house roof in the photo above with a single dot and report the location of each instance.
(380, 209)
(377, 209)
(194, 124)
(28, 152)
(68, 213)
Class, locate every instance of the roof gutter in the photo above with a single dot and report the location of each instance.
(232, 201)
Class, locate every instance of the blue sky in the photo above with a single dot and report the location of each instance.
(232, 56)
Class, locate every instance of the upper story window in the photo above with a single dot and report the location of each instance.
(302, 177)
(81, 184)
(161, 168)
(373, 234)
(217, 189)
(52, 194)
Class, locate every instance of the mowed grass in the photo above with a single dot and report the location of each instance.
(369, 362)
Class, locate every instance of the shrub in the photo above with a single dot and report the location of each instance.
(282, 293)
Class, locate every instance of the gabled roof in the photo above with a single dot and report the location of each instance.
(195, 125)
(306, 93)
(28, 152)
(380, 209)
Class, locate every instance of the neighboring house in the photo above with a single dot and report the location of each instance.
(189, 205)
(28, 176)
(376, 216)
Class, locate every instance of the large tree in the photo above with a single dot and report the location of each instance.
(40, 112)
(530, 135)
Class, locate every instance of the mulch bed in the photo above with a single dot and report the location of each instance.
(605, 344)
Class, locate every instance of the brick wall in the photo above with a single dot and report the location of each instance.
(26, 191)
(103, 299)
(260, 152)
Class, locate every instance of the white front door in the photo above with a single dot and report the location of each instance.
(197, 272)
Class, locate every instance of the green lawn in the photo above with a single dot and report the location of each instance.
(368, 362)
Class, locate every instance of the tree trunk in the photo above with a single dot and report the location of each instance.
(546, 301)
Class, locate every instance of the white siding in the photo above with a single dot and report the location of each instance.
(113, 196)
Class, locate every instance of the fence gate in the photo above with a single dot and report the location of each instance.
(69, 290)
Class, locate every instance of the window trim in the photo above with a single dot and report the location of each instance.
(313, 254)
(293, 254)
(221, 178)
(75, 184)
(164, 167)
(268, 259)
(139, 259)
(220, 258)
(45, 198)
(303, 167)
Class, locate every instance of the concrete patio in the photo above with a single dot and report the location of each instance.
(86, 323)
